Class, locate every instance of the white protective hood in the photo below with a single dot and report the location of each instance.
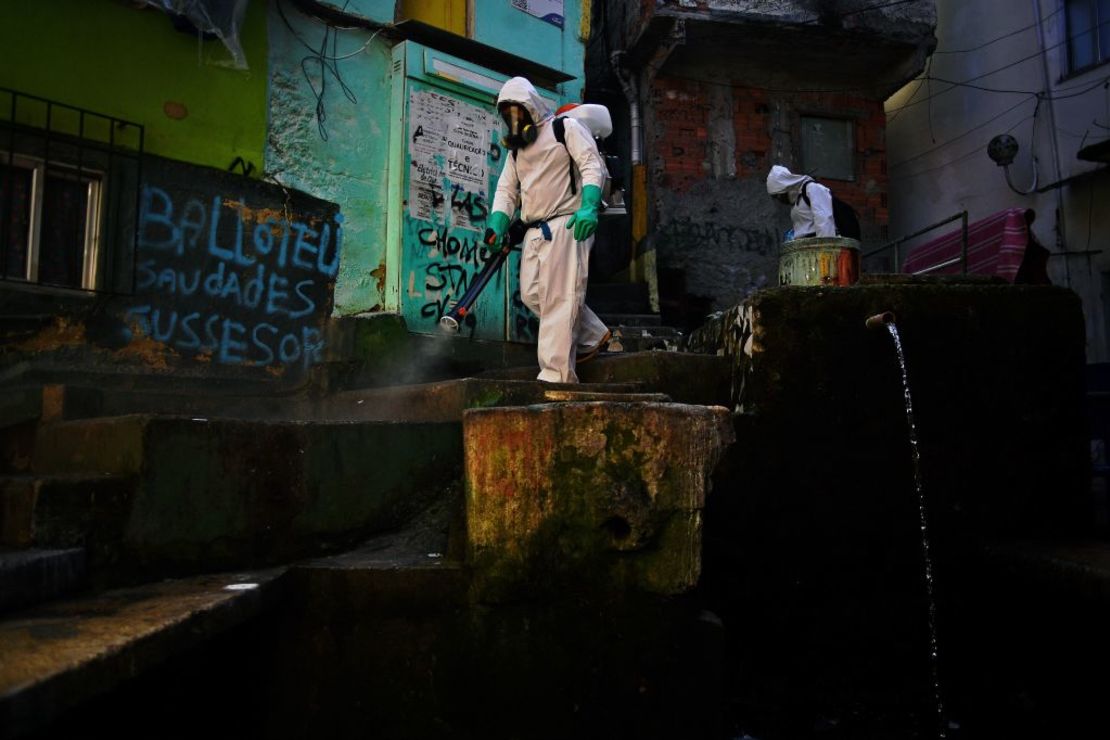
(782, 180)
(520, 90)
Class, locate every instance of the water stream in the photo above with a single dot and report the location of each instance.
(942, 728)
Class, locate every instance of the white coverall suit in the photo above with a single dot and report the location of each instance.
(810, 219)
(552, 270)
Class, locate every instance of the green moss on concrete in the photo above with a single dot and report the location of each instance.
(579, 495)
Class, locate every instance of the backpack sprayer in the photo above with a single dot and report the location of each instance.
(597, 121)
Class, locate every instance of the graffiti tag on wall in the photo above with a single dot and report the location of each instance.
(453, 162)
(686, 233)
(217, 278)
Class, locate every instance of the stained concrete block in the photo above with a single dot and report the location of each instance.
(588, 494)
(33, 575)
(682, 376)
(997, 377)
(222, 492)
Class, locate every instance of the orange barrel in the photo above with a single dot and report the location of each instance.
(819, 260)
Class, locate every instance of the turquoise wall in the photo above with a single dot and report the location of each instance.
(130, 63)
(501, 25)
(350, 167)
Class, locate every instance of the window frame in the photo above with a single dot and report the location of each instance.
(852, 125)
(1101, 56)
(95, 181)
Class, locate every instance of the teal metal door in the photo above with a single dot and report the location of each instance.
(445, 160)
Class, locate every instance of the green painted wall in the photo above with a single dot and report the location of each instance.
(349, 168)
(110, 58)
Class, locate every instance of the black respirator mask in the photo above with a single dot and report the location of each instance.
(522, 130)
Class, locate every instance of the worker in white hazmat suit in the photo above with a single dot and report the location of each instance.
(561, 216)
(811, 202)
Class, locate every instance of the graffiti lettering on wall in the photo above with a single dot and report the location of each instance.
(244, 286)
(453, 162)
(450, 262)
(685, 233)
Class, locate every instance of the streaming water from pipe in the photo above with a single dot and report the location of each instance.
(942, 729)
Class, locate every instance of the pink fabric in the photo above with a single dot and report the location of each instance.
(995, 246)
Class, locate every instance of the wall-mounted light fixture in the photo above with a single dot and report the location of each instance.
(1002, 150)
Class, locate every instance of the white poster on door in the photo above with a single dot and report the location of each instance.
(449, 144)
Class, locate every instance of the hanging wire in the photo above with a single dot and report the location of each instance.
(1002, 37)
(954, 139)
(977, 151)
(326, 64)
(968, 81)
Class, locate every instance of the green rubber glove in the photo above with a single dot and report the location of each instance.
(497, 225)
(584, 220)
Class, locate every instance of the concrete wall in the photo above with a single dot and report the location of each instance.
(937, 138)
(723, 85)
(349, 166)
(893, 20)
(233, 278)
(132, 64)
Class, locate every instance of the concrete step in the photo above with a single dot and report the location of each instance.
(59, 656)
(446, 401)
(682, 376)
(631, 319)
(32, 576)
(396, 575)
(1078, 568)
(19, 404)
(67, 511)
(645, 339)
(214, 493)
(17, 444)
(440, 401)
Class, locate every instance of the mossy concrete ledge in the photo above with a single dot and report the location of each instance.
(581, 496)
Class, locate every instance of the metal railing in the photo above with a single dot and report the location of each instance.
(962, 259)
(53, 151)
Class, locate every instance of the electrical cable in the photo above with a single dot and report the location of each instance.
(966, 83)
(960, 136)
(326, 64)
(1000, 38)
(974, 152)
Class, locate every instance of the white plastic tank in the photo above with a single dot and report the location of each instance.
(594, 117)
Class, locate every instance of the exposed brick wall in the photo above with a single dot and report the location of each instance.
(682, 112)
(681, 142)
(718, 235)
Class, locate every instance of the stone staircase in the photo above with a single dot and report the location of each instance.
(107, 485)
(626, 310)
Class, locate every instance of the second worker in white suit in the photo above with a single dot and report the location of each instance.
(559, 204)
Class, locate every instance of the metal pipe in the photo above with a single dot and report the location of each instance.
(629, 88)
(1061, 232)
(907, 237)
(879, 320)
